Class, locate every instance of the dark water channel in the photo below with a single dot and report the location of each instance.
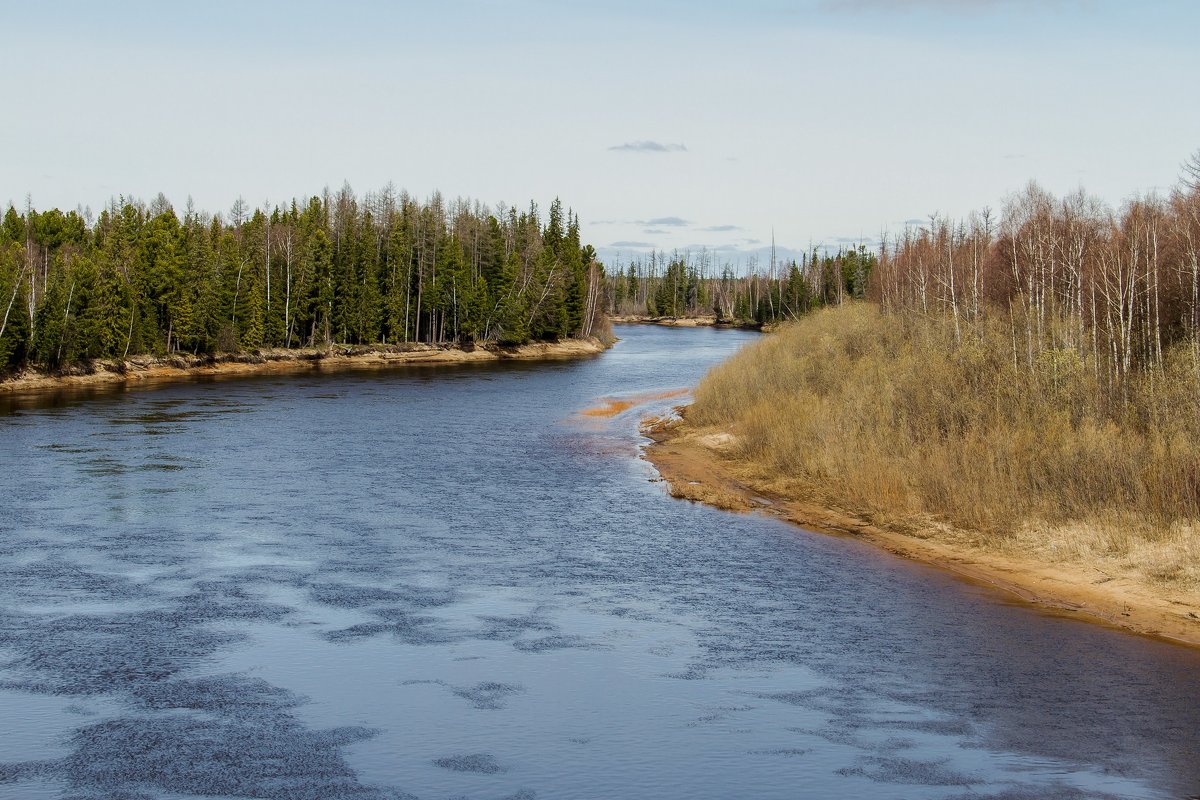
(446, 583)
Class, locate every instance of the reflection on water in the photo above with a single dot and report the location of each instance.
(452, 582)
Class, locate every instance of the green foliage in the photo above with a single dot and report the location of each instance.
(332, 269)
(683, 287)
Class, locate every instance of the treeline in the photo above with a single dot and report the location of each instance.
(1079, 284)
(685, 285)
(384, 268)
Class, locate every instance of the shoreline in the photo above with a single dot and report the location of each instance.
(152, 370)
(668, 322)
(694, 464)
(683, 322)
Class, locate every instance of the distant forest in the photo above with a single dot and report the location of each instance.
(384, 268)
(688, 285)
(1075, 283)
(1078, 284)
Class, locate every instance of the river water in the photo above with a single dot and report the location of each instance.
(450, 583)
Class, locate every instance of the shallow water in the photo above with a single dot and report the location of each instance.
(451, 582)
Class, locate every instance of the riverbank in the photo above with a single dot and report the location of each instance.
(683, 322)
(669, 322)
(146, 370)
(1030, 471)
(701, 464)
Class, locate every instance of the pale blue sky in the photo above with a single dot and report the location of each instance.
(824, 120)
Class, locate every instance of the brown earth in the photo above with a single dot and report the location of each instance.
(699, 465)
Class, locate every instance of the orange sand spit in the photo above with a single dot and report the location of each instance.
(611, 406)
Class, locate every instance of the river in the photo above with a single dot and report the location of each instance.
(449, 582)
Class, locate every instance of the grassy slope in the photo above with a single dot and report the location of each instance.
(891, 418)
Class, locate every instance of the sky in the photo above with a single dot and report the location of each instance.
(665, 124)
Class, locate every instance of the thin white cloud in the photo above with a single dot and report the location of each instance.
(647, 146)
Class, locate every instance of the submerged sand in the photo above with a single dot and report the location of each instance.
(612, 406)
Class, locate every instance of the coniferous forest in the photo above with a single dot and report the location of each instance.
(689, 285)
(336, 268)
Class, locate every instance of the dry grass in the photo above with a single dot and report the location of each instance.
(889, 416)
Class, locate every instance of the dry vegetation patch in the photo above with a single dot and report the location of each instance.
(915, 426)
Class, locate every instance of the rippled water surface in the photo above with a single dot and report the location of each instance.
(446, 583)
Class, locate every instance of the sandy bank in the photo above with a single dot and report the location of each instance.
(671, 322)
(690, 322)
(151, 369)
(698, 466)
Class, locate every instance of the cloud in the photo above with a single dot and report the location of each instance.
(654, 232)
(648, 146)
(721, 228)
(744, 255)
(632, 244)
(657, 222)
(915, 221)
